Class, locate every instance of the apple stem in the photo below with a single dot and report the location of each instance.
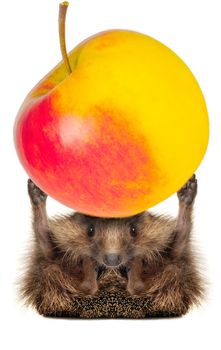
(61, 20)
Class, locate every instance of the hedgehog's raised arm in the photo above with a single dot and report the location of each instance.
(183, 227)
(40, 219)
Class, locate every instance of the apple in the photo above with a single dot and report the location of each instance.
(118, 131)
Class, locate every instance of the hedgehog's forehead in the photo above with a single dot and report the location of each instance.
(88, 219)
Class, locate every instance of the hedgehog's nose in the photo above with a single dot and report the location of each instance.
(112, 259)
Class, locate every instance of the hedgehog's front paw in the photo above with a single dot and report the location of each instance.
(89, 287)
(36, 195)
(135, 287)
(187, 193)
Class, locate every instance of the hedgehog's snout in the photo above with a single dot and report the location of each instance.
(112, 259)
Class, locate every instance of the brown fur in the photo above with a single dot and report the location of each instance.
(157, 267)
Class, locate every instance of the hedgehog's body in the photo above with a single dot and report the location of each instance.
(132, 267)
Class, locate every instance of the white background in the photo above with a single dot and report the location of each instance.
(29, 49)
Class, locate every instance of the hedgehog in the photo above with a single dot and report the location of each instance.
(134, 267)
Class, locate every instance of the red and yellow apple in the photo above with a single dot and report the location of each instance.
(120, 133)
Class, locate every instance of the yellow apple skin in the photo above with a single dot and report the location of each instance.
(121, 133)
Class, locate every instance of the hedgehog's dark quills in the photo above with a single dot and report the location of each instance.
(138, 266)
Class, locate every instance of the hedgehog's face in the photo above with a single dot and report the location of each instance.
(110, 241)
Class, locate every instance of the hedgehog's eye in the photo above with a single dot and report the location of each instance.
(91, 231)
(133, 230)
